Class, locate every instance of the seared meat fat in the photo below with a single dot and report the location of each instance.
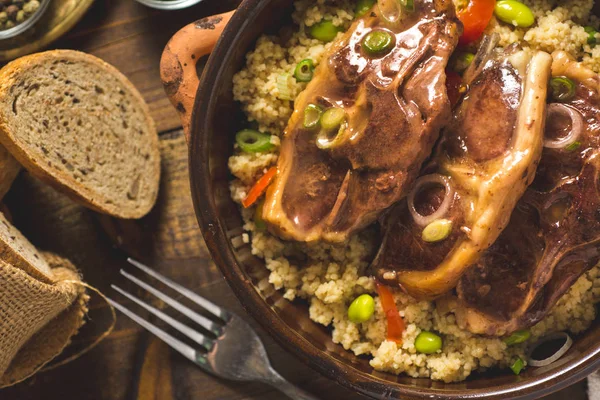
(390, 107)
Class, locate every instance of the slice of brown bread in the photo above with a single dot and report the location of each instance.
(9, 169)
(78, 124)
(16, 250)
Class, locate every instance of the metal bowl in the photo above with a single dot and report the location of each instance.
(169, 4)
(28, 23)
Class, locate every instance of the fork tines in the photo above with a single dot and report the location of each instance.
(188, 351)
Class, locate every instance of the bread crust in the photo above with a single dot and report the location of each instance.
(9, 169)
(17, 251)
(81, 193)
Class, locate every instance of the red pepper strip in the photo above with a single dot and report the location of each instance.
(453, 86)
(475, 18)
(259, 187)
(394, 321)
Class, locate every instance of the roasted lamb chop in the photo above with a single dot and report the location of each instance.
(365, 124)
(554, 235)
(485, 161)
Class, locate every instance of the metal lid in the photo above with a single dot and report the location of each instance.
(169, 4)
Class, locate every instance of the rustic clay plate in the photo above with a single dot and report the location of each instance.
(215, 118)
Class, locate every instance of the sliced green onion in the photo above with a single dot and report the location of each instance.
(325, 140)
(259, 222)
(312, 116)
(378, 42)
(333, 118)
(591, 40)
(363, 7)
(517, 337)
(284, 86)
(462, 61)
(332, 121)
(324, 31)
(563, 88)
(409, 5)
(437, 231)
(304, 70)
(573, 146)
(517, 366)
(251, 141)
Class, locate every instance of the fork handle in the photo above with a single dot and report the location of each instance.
(283, 385)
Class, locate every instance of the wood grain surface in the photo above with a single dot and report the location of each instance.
(131, 364)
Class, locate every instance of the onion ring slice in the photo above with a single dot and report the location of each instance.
(559, 353)
(390, 10)
(576, 126)
(427, 180)
(484, 53)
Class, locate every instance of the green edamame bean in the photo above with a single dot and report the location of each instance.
(325, 31)
(361, 309)
(428, 342)
(514, 13)
(437, 231)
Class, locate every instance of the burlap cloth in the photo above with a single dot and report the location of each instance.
(37, 319)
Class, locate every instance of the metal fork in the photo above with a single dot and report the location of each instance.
(232, 351)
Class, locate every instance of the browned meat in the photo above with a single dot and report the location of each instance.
(553, 236)
(406, 247)
(490, 116)
(395, 106)
(485, 161)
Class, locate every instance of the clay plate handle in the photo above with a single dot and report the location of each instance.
(178, 62)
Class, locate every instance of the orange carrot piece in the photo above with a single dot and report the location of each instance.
(395, 323)
(259, 187)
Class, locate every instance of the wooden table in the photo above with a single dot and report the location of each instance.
(130, 363)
